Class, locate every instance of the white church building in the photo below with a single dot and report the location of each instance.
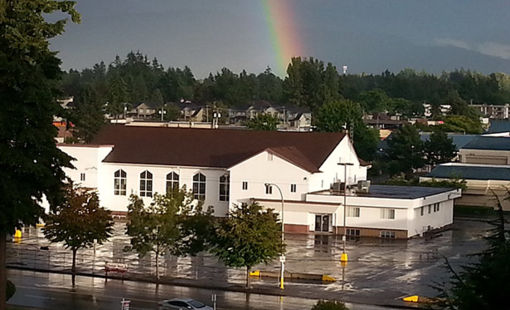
(225, 167)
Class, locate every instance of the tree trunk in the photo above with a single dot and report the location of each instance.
(3, 271)
(248, 277)
(73, 268)
(157, 266)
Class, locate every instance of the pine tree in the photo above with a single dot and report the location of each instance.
(29, 72)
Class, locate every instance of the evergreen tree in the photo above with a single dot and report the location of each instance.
(482, 285)
(405, 150)
(29, 158)
(439, 148)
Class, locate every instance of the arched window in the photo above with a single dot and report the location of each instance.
(172, 182)
(119, 183)
(224, 187)
(199, 186)
(146, 184)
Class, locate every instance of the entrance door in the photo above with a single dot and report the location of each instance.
(322, 222)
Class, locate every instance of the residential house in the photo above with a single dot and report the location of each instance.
(312, 174)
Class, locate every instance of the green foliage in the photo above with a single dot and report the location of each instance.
(173, 223)
(78, 222)
(484, 284)
(338, 115)
(29, 71)
(329, 305)
(405, 151)
(247, 237)
(309, 83)
(263, 121)
(455, 183)
(374, 101)
(87, 115)
(461, 123)
(10, 290)
(439, 148)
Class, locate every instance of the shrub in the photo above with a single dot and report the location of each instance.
(329, 305)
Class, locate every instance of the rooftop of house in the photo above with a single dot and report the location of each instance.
(489, 143)
(471, 172)
(218, 148)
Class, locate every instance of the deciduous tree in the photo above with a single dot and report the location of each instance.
(173, 223)
(263, 122)
(78, 222)
(29, 70)
(247, 237)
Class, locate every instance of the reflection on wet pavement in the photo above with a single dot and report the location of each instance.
(391, 268)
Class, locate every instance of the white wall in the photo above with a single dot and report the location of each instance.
(87, 160)
(259, 170)
(159, 172)
(331, 171)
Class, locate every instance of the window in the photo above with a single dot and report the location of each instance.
(436, 207)
(352, 211)
(353, 232)
(224, 187)
(422, 210)
(387, 234)
(430, 208)
(199, 186)
(245, 185)
(146, 184)
(82, 176)
(293, 188)
(119, 183)
(388, 214)
(269, 189)
(172, 182)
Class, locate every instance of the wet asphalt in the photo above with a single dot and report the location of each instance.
(379, 272)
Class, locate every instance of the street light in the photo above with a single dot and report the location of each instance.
(282, 258)
(343, 257)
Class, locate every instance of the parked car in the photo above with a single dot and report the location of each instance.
(182, 304)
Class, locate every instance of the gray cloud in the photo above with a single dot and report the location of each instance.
(488, 48)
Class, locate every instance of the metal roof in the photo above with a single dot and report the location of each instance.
(489, 143)
(471, 172)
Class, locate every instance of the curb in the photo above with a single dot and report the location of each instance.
(227, 288)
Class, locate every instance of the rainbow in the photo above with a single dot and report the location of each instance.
(283, 31)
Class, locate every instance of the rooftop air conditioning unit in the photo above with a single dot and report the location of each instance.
(364, 186)
(337, 187)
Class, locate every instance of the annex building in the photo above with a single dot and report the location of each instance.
(225, 167)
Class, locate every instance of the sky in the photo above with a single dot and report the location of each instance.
(367, 36)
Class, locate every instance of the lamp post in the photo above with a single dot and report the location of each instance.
(282, 258)
(343, 257)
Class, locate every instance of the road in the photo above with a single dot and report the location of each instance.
(52, 291)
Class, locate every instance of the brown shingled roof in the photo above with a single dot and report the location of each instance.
(221, 148)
